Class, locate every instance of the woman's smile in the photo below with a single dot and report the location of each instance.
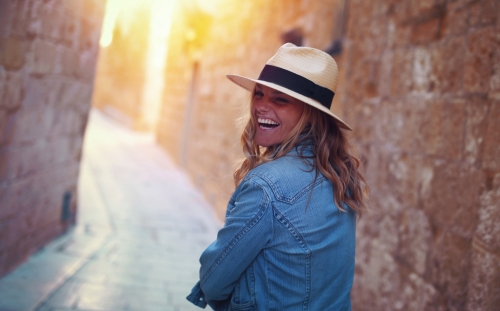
(276, 115)
(267, 124)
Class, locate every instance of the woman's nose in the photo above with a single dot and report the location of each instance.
(262, 104)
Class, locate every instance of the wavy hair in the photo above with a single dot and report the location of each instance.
(331, 156)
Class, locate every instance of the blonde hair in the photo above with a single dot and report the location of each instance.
(331, 156)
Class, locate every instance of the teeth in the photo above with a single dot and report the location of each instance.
(267, 121)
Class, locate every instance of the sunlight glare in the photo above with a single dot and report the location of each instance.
(113, 8)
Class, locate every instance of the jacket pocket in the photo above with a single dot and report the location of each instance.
(247, 306)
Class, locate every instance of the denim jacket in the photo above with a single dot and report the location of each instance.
(284, 246)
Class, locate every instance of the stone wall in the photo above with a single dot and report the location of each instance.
(420, 84)
(423, 95)
(48, 52)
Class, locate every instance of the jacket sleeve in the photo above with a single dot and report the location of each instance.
(247, 230)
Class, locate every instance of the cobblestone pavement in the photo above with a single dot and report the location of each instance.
(141, 228)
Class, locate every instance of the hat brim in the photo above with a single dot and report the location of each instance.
(249, 85)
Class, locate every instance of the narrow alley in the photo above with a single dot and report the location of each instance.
(140, 229)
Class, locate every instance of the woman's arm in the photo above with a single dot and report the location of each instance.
(247, 230)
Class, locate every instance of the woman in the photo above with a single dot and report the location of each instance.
(288, 242)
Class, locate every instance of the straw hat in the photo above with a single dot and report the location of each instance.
(305, 73)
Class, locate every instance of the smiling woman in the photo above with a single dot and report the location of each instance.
(288, 242)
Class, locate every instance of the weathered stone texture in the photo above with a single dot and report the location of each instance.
(479, 59)
(48, 52)
(420, 84)
(432, 139)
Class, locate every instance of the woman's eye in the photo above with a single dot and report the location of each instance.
(281, 100)
(258, 94)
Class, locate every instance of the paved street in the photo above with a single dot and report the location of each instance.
(141, 228)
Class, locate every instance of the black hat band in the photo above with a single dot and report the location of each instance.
(297, 83)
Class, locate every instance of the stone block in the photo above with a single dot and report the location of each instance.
(45, 58)
(46, 19)
(453, 190)
(402, 74)
(450, 259)
(491, 155)
(47, 233)
(89, 38)
(85, 66)
(401, 11)
(415, 291)
(6, 17)
(19, 163)
(427, 31)
(78, 125)
(12, 53)
(453, 122)
(484, 12)
(416, 236)
(401, 172)
(3, 269)
(19, 226)
(448, 58)
(399, 118)
(66, 61)
(384, 84)
(432, 126)
(48, 210)
(372, 160)
(423, 80)
(92, 8)
(488, 228)
(477, 111)
(71, 32)
(399, 34)
(3, 82)
(495, 78)
(455, 22)
(31, 124)
(377, 278)
(360, 118)
(18, 19)
(44, 91)
(357, 75)
(419, 118)
(62, 125)
(4, 234)
(422, 7)
(484, 275)
(465, 219)
(13, 91)
(479, 60)
(388, 232)
(19, 253)
(68, 95)
(19, 195)
(3, 125)
(433, 299)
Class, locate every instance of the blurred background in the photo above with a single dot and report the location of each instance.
(419, 84)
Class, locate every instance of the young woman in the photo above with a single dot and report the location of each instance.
(288, 242)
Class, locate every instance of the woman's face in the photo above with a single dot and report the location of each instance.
(276, 114)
